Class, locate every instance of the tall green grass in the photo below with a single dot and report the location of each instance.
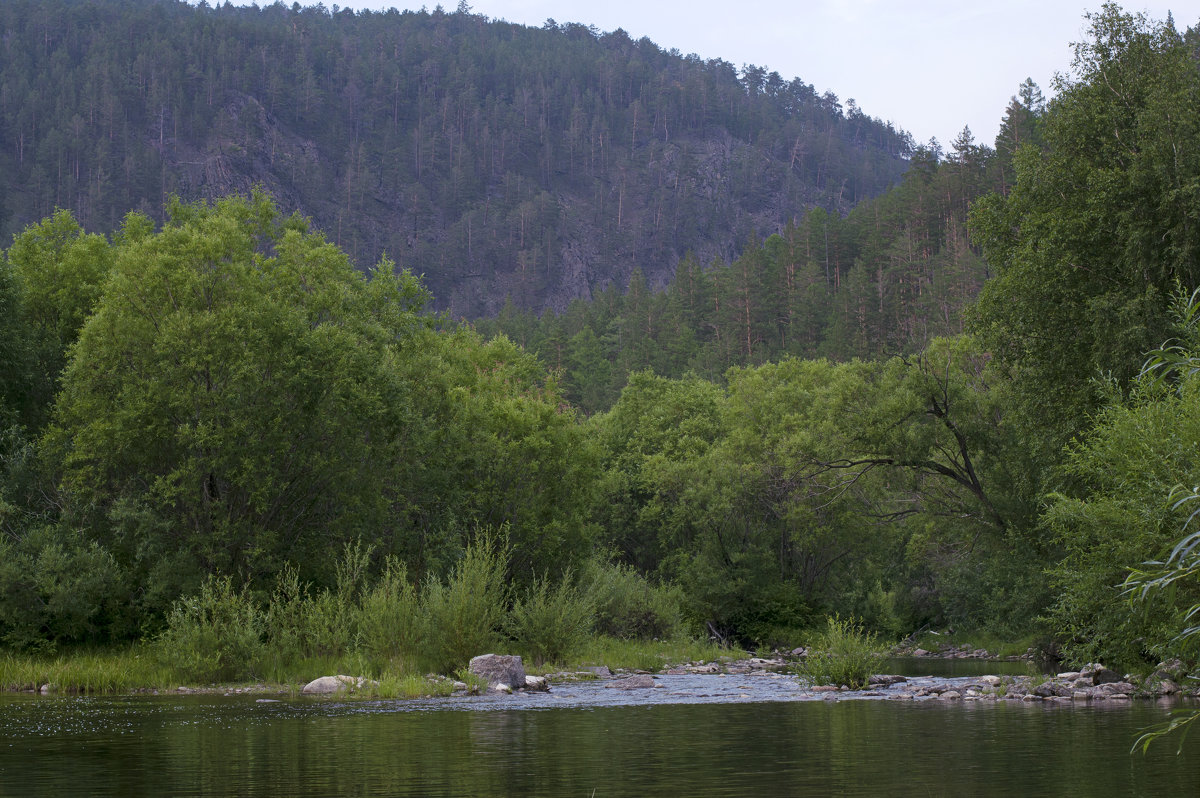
(113, 671)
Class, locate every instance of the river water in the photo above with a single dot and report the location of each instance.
(696, 736)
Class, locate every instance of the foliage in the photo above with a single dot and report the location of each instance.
(897, 271)
(391, 623)
(1097, 228)
(235, 382)
(844, 654)
(627, 605)
(550, 623)
(215, 635)
(57, 588)
(465, 612)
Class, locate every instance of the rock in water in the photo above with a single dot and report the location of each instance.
(642, 680)
(499, 669)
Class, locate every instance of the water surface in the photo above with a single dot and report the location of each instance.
(735, 736)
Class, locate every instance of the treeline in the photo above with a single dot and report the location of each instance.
(225, 395)
(499, 160)
(889, 277)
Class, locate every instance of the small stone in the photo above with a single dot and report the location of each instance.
(990, 681)
(537, 684)
(951, 695)
(1081, 695)
(1069, 676)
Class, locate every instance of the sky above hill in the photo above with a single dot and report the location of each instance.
(930, 67)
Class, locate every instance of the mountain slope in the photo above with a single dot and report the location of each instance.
(502, 161)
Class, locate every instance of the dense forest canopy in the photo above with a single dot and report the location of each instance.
(969, 402)
(498, 160)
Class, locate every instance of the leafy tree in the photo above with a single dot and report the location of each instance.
(1118, 515)
(1097, 228)
(230, 399)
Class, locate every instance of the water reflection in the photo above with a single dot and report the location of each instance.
(215, 745)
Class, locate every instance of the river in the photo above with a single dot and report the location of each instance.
(698, 736)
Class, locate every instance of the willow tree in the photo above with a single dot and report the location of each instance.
(227, 404)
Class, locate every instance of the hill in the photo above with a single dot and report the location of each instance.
(504, 162)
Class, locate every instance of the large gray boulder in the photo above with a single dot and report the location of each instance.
(327, 685)
(499, 669)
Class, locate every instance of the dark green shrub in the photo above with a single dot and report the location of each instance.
(57, 587)
(626, 605)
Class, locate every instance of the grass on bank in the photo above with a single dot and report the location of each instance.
(122, 670)
(139, 668)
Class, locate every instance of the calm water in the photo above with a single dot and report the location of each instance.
(726, 738)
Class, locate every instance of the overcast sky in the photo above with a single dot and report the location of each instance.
(929, 66)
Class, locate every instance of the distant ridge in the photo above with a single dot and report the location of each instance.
(503, 162)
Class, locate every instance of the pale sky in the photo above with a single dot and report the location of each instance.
(929, 66)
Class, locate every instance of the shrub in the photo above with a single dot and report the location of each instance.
(465, 611)
(844, 654)
(550, 624)
(627, 606)
(287, 615)
(300, 624)
(215, 635)
(55, 586)
(391, 623)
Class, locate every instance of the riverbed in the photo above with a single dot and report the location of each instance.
(695, 735)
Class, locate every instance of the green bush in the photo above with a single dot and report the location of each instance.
(57, 587)
(464, 613)
(627, 606)
(391, 623)
(844, 654)
(215, 635)
(550, 624)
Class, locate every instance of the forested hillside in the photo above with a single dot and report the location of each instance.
(894, 273)
(503, 162)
